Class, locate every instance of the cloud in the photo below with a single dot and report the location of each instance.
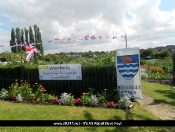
(149, 26)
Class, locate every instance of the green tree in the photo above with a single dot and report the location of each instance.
(38, 39)
(22, 39)
(31, 36)
(147, 52)
(12, 41)
(18, 39)
(26, 35)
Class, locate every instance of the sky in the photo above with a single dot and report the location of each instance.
(146, 23)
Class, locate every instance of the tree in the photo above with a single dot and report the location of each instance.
(20, 36)
(38, 39)
(18, 40)
(22, 39)
(26, 35)
(147, 52)
(31, 37)
(12, 41)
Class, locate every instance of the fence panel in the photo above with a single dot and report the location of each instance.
(76, 87)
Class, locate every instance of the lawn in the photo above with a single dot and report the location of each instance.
(163, 94)
(22, 111)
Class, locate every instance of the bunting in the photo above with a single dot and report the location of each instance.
(57, 40)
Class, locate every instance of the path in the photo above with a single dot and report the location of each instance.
(164, 112)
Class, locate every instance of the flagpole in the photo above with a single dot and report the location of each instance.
(126, 39)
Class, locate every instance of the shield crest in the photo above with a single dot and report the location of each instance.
(128, 65)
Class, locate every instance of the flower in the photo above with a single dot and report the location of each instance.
(78, 101)
(56, 100)
(13, 97)
(105, 89)
(111, 104)
(37, 100)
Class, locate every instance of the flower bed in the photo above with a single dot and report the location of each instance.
(37, 94)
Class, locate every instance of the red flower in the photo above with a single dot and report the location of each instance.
(111, 104)
(13, 97)
(77, 101)
(56, 100)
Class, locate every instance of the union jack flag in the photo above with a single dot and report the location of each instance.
(56, 40)
(100, 37)
(69, 39)
(29, 55)
(93, 37)
(114, 37)
(87, 37)
(94, 55)
(31, 50)
(50, 41)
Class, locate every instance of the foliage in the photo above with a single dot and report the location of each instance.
(85, 98)
(144, 76)
(19, 98)
(93, 100)
(102, 99)
(3, 93)
(67, 99)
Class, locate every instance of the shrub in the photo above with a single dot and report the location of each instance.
(93, 100)
(144, 76)
(3, 93)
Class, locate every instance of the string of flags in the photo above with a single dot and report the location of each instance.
(57, 40)
(87, 37)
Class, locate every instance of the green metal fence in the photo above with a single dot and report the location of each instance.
(76, 87)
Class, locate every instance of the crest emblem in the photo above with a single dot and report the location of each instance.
(128, 65)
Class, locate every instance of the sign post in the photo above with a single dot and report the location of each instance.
(128, 72)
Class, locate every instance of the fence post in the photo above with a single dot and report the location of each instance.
(173, 69)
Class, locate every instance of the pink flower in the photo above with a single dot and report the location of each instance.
(111, 104)
(56, 100)
(77, 101)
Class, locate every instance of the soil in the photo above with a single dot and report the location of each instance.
(163, 111)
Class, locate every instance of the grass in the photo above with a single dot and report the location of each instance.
(163, 94)
(22, 111)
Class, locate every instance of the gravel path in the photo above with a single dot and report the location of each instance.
(164, 112)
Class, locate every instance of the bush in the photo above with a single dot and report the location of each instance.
(144, 76)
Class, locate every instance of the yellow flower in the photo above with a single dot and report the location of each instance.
(70, 93)
(84, 93)
(105, 89)
(37, 100)
(87, 93)
(6, 94)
